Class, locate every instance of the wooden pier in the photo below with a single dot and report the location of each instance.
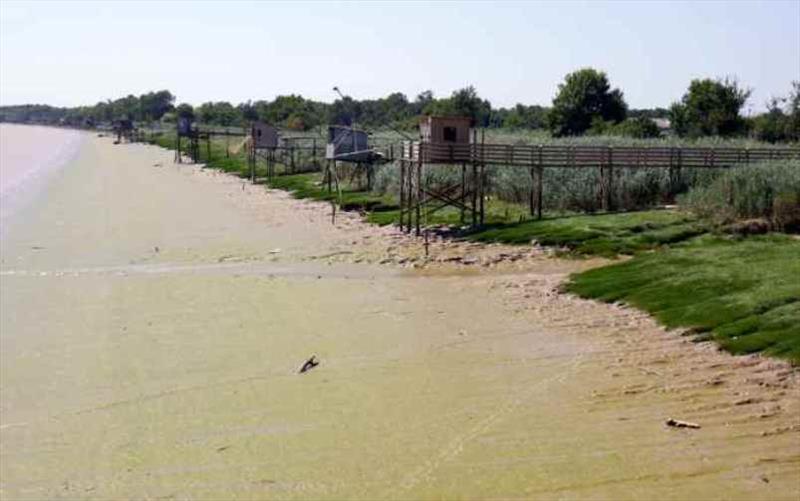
(469, 194)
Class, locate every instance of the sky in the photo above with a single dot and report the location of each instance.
(78, 53)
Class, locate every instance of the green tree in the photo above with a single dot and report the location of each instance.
(154, 105)
(463, 102)
(185, 110)
(525, 117)
(710, 108)
(585, 95)
(781, 122)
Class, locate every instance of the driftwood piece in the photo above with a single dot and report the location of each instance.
(309, 364)
(675, 423)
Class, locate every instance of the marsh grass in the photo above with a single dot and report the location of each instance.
(769, 190)
(742, 293)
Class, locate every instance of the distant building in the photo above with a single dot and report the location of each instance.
(664, 125)
(264, 135)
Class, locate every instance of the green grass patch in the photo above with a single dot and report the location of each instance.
(742, 293)
(310, 186)
(600, 234)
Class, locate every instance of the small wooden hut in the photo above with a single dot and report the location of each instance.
(346, 144)
(447, 139)
(265, 136)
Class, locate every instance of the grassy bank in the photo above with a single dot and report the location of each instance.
(742, 293)
(602, 234)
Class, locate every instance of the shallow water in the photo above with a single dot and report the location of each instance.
(29, 155)
(153, 318)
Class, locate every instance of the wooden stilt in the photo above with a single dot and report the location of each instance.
(483, 175)
(402, 191)
(418, 191)
(532, 192)
(463, 189)
(539, 182)
(539, 194)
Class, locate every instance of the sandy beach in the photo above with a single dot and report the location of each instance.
(153, 317)
(29, 155)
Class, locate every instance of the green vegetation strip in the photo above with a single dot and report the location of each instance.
(602, 234)
(744, 294)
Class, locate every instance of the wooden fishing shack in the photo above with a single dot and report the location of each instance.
(346, 144)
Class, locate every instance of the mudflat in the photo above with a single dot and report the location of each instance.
(154, 317)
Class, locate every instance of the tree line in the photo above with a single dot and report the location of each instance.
(585, 103)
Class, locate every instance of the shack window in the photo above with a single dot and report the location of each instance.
(450, 134)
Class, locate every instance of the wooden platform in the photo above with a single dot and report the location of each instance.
(468, 196)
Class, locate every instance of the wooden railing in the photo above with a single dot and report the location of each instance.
(591, 156)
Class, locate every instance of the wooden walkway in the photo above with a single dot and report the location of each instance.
(469, 194)
(591, 156)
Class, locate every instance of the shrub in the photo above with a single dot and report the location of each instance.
(769, 190)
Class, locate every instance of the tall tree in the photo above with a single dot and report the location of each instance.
(585, 96)
(710, 108)
(185, 110)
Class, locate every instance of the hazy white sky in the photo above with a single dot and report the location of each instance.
(72, 53)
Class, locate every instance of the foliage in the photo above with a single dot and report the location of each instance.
(585, 103)
(604, 235)
(585, 95)
(710, 108)
(649, 113)
(742, 293)
(185, 110)
(640, 127)
(781, 122)
(769, 190)
(147, 107)
(520, 117)
(220, 113)
(464, 102)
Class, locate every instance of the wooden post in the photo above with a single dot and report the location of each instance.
(314, 153)
(532, 193)
(419, 189)
(463, 189)
(252, 156)
(402, 191)
(474, 179)
(540, 183)
(603, 189)
(610, 186)
(329, 174)
(483, 174)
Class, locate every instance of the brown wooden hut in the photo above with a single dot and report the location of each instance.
(447, 139)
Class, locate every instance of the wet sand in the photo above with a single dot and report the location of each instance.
(153, 318)
(29, 154)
